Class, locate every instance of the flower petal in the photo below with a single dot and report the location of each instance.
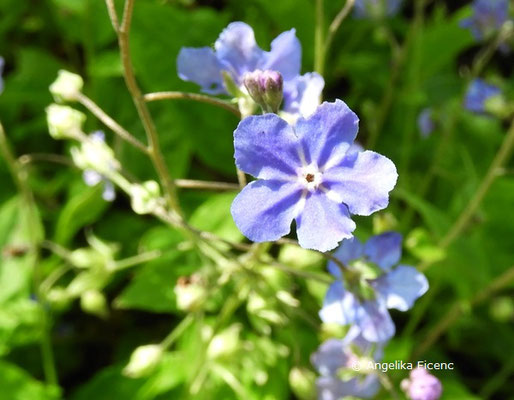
(328, 133)
(237, 47)
(200, 65)
(266, 147)
(108, 194)
(350, 249)
(385, 250)
(362, 181)
(333, 388)
(401, 287)
(323, 223)
(264, 210)
(302, 94)
(285, 55)
(91, 178)
(339, 306)
(375, 322)
(329, 357)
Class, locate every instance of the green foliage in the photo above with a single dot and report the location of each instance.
(95, 281)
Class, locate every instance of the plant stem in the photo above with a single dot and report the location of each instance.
(170, 95)
(319, 46)
(501, 158)
(334, 27)
(208, 185)
(154, 150)
(110, 123)
(137, 259)
(177, 331)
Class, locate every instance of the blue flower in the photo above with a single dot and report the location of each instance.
(93, 178)
(334, 357)
(488, 17)
(478, 93)
(376, 8)
(1, 73)
(370, 286)
(426, 122)
(306, 173)
(236, 52)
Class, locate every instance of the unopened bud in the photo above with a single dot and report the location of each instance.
(94, 302)
(66, 86)
(265, 88)
(64, 122)
(302, 382)
(143, 361)
(190, 293)
(145, 197)
(224, 344)
(96, 155)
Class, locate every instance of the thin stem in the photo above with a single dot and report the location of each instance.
(110, 123)
(241, 178)
(459, 307)
(334, 27)
(112, 14)
(208, 185)
(177, 331)
(319, 37)
(45, 157)
(137, 259)
(195, 97)
(151, 133)
(498, 163)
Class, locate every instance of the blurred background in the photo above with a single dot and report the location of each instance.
(388, 70)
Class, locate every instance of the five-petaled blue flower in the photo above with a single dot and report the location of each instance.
(376, 8)
(306, 173)
(236, 52)
(488, 16)
(478, 93)
(334, 356)
(370, 286)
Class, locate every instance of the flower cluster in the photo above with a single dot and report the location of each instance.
(421, 385)
(338, 362)
(222, 70)
(487, 18)
(369, 285)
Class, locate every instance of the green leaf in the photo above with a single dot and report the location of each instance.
(214, 216)
(82, 209)
(16, 384)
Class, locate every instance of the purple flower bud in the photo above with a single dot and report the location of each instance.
(426, 123)
(265, 88)
(421, 385)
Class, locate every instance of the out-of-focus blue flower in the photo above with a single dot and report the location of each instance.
(93, 178)
(421, 385)
(376, 8)
(478, 93)
(1, 73)
(371, 286)
(236, 52)
(488, 17)
(305, 172)
(426, 123)
(334, 357)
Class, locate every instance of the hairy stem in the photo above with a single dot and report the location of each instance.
(171, 95)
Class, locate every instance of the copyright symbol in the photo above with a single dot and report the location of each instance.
(356, 366)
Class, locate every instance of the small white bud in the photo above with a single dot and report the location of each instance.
(94, 302)
(94, 154)
(190, 293)
(224, 344)
(66, 86)
(63, 121)
(145, 197)
(143, 360)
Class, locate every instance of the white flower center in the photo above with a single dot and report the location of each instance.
(310, 177)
